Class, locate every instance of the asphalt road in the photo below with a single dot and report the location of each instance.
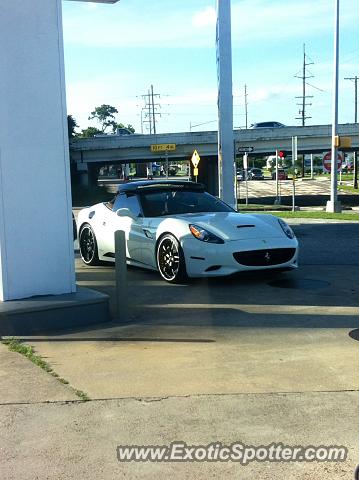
(327, 243)
(308, 192)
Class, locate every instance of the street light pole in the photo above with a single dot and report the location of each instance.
(355, 173)
(225, 105)
(333, 205)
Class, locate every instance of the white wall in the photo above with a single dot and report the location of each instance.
(36, 247)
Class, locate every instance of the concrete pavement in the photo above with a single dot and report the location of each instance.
(78, 440)
(236, 335)
(254, 358)
(22, 382)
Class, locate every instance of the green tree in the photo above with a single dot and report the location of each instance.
(90, 132)
(71, 125)
(121, 125)
(105, 115)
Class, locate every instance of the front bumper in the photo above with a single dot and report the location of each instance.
(208, 259)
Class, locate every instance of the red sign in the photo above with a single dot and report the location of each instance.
(327, 161)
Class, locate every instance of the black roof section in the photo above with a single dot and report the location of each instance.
(150, 185)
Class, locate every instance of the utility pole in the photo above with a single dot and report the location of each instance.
(153, 110)
(246, 104)
(150, 109)
(355, 173)
(149, 115)
(304, 76)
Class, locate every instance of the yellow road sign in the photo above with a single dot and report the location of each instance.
(343, 142)
(163, 147)
(195, 172)
(195, 159)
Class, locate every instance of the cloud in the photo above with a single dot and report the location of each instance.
(203, 97)
(272, 92)
(204, 18)
(176, 25)
(90, 6)
(267, 37)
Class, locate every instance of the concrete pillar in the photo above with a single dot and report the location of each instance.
(93, 171)
(226, 169)
(83, 174)
(84, 179)
(36, 239)
(126, 174)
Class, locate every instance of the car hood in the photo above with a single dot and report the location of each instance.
(236, 226)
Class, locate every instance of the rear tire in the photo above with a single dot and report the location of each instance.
(88, 245)
(170, 259)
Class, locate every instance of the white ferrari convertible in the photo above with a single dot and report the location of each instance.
(180, 230)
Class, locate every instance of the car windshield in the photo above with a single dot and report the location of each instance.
(174, 202)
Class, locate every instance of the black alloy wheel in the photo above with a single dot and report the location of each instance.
(88, 245)
(170, 259)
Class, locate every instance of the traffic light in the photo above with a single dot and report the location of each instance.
(282, 153)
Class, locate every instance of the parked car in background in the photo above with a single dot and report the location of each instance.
(255, 174)
(241, 175)
(267, 125)
(282, 174)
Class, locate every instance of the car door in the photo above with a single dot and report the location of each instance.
(132, 226)
(149, 227)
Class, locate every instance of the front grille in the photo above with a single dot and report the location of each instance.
(263, 258)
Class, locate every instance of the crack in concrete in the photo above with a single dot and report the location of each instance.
(169, 397)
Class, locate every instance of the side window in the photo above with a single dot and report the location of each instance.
(127, 201)
(120, 202)
(134, 205)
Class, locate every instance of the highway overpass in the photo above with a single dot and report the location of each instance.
(90, 153)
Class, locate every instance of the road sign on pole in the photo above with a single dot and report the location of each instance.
(245, 150)
(245, 161)
(277, 200)
(327, 161)
(195, 159)
(294, 161)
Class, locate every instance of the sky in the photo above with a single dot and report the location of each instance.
(114, 53)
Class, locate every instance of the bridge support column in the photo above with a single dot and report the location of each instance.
(93, 171)
(83, 174)
(87, 174)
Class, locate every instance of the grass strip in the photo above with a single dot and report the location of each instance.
(348, 188)
(316, 215)
(28, 351)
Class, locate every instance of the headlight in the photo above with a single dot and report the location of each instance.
(286, 228)
(204, 235)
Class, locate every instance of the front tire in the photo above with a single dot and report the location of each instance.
(88, 245)
(170, 259)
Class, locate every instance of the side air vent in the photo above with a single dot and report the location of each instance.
(213, 268)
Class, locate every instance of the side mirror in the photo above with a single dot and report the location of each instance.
(125, 212)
